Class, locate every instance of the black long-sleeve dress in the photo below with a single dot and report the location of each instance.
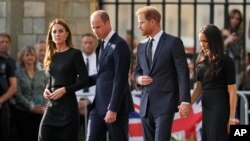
(61, 119)
(215, 100)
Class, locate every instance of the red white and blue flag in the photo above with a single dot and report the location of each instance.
(184, 129)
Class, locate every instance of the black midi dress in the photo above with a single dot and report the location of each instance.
(215, 100)
(60, 121)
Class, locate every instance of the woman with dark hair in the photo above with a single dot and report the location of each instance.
(233, 38)
(216, 84)
(67, 75)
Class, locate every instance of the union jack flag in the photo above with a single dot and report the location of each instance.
(184, 129)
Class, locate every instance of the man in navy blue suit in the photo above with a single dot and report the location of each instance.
(162, 73)
(113, 100)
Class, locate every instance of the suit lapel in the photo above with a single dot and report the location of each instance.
(103, 54)
(145, 59)
(106, 48)
(158, 49)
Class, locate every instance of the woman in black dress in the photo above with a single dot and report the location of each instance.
(216, 83)
(67, 74)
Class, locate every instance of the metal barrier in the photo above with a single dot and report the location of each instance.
(84, 95)
(244, 108)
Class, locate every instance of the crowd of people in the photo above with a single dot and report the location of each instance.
(40, 93)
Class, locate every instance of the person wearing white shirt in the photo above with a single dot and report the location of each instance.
(88, 47)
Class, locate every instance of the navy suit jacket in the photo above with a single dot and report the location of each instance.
(112, 87)
(170, 75)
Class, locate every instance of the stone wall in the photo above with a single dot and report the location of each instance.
(27, 21)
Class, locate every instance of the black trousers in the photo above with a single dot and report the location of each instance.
(5, 122)
(157, 127)
(97, 128)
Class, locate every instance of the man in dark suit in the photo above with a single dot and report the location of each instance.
(162, 73)
(113, 100)
(7, 88)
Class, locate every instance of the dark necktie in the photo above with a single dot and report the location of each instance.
(101, 48)
(87, 66)
(100, 53)
(149, 52)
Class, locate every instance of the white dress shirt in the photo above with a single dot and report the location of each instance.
(92, 70)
